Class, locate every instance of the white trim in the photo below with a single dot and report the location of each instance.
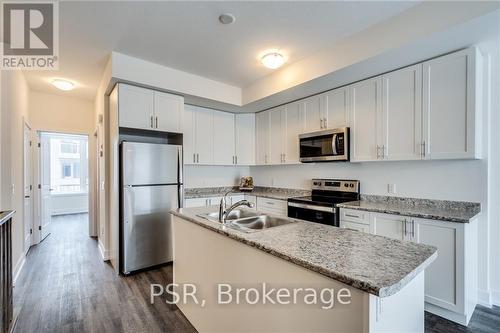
(484, 298)
(495, 297)
(104, 253)
(17, 269)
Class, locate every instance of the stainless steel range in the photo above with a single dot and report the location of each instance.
(321, 207)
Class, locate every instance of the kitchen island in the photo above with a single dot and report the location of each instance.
(384, 277)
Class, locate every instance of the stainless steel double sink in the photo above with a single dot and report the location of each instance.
(248, 220)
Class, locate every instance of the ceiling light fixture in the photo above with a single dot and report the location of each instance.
(63, 84)
(227, 18)
(273, 60)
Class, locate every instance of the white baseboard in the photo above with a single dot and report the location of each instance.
(484, 298)
(495, 297)
(17, 268)
(103, 251)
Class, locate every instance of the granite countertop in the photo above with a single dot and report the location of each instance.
(5, 216)
(453, 211)
(377, 265)
(258, 191)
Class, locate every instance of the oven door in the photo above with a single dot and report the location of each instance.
(313, 213)
(323, 146)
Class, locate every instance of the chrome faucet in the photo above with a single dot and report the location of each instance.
(224, 213)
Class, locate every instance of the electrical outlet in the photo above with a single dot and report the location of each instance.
(391, 188)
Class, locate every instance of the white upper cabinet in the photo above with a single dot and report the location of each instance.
(401, 130)
(245, 138)
(204, 129)
(313, 117)
(223, 138)
(262, 133)
(198, 135)
(148, 109)
(365, 117)
(168, 111)
(189, 134)
(449, 106)
(135, 107)
(276, 135)
(292, 125)
(335, 108)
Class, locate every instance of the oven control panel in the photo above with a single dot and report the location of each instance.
(336, 185)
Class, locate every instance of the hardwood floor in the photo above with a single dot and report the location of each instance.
(66, 287)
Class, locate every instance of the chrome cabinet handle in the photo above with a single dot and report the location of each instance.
(156, 122)
(236, 159)
(355, 216)
(378, 151)
(194, 158)
(404, 227)
(325, 125)
(423, 148)
(151, 122)
(233, 159)
(320, 122)
(197, 158)
(383, 151)
(284, 158)
(412, 228)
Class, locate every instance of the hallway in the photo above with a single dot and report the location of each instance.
(66, 287)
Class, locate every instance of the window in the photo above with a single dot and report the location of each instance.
(68, 163)
(69, 147)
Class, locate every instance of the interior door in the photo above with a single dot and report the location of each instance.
(28, 188)
(46, 210)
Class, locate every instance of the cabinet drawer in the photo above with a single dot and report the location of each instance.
(272, 206)
(352, 215)
(355, 226)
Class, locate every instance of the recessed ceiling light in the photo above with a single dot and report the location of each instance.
(63, 84)
(227, 18)
(273, 60)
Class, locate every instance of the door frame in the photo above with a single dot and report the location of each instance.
(36, 236)
(27, 125)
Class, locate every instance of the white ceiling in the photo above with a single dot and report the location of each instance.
(187, 36)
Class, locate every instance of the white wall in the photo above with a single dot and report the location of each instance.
(213, 176)
(71, 203)
(14, 109)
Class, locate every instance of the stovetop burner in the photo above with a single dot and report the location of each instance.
(328, 192)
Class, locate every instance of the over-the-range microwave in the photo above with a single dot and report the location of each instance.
(324, 146)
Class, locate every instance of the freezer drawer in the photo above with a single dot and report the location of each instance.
(147, 163)
(146, 228)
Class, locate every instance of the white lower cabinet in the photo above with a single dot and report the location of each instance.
(451, 280)
(272, 206)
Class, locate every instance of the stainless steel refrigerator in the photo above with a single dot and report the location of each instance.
(151, 186)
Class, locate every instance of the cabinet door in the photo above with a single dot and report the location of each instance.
(275, 136)
(444, 278)
(392, 226)
(204, 136)
(312, 114)
(365, 117)
(168, 112)
(334, 108)
(449, 101)
(223, 136)
(355, 226)
(402, 114)
(135, 107)
(189, 134)
(245, 138)
(292, 127)
(262, 120)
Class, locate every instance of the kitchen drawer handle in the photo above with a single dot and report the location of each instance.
(350, 229)
(355, 216)
(269, 202)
